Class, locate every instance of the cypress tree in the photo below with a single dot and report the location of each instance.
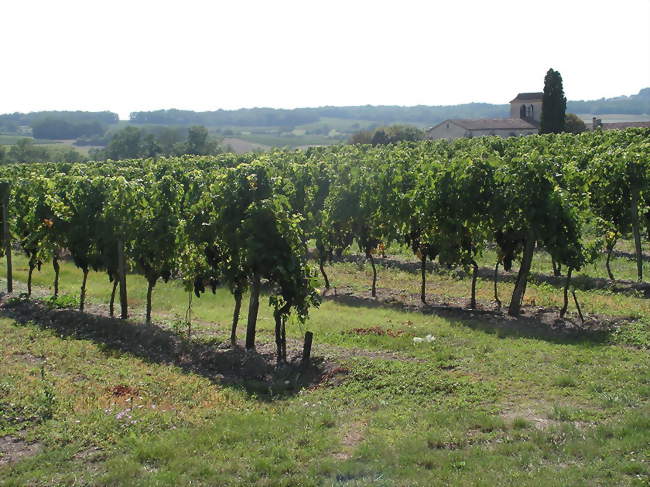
(553, 104)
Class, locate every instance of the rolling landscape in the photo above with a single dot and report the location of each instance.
(399, 314)
(325, 244)
(264, 129)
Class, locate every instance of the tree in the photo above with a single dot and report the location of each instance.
(33, 200)
(553, 104)
(574, 124)
(199, 143)
(154, 248)
(125, 144)
(83, 199)
(362, 137)
(616, 186)
(25, 151)
(391, 134)
(197, 140)
(528, 207)
(461, 205)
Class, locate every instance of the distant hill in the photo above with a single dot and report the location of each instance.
(261, 128)
(638, 104)
(57, 124)
(382, 114)
(271, 117)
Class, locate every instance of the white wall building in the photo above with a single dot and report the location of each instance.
(477, 127)
(525, 117)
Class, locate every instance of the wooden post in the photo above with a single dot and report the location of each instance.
(565, 304)
(575, 299)
(253, 307)
(111, 304)
(6, 236)
(121, 272)
(423, 281)
(634, 210)
(306, 350)
(374, 275)
(496, 286)
(235, 317)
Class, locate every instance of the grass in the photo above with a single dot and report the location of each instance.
(473, 407)
(623, 268)
(13, 139)
(451, 288)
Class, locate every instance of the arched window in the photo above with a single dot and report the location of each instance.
(522, 111)
(532, 112)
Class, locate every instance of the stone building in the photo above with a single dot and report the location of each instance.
(527, 106)
(525, 117)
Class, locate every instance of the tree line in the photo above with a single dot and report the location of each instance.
(133, 142)
(382, 114)
(59, 124)
(240, 222)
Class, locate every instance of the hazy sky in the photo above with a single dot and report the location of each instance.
(203, 55)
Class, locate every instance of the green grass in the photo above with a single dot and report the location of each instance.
(623, 268)
(474, 407)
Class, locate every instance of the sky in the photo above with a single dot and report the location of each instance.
(135, 55)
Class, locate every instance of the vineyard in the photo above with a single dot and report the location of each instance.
(448, 231)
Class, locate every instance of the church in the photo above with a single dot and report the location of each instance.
(525, 118)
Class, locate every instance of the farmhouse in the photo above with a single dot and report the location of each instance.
(525, 117)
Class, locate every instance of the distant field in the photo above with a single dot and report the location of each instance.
(246, 139)
(13, 139)
(340, 124)
(350, 126)
(240, 146)
(288, 140)
(614, 117)
(60, 144)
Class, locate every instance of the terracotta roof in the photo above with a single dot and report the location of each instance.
(624, 125)
(529, 96)
(493, 123)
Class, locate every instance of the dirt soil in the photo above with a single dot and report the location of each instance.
(256, 371)
(13, 449)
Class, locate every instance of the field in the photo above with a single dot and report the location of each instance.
(614, 117)
(490, 400)
(481, 380)
(13, 139)
(291, 141)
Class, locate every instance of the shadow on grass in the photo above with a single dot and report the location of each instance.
(581, 282)
(535, 322)
(255, 372)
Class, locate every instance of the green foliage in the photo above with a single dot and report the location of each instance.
(59, 128)
(46, 402)
(574, 124)
(636, 334)
(232, 220)
(391, 134)
(63, 301)
(133, 142)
